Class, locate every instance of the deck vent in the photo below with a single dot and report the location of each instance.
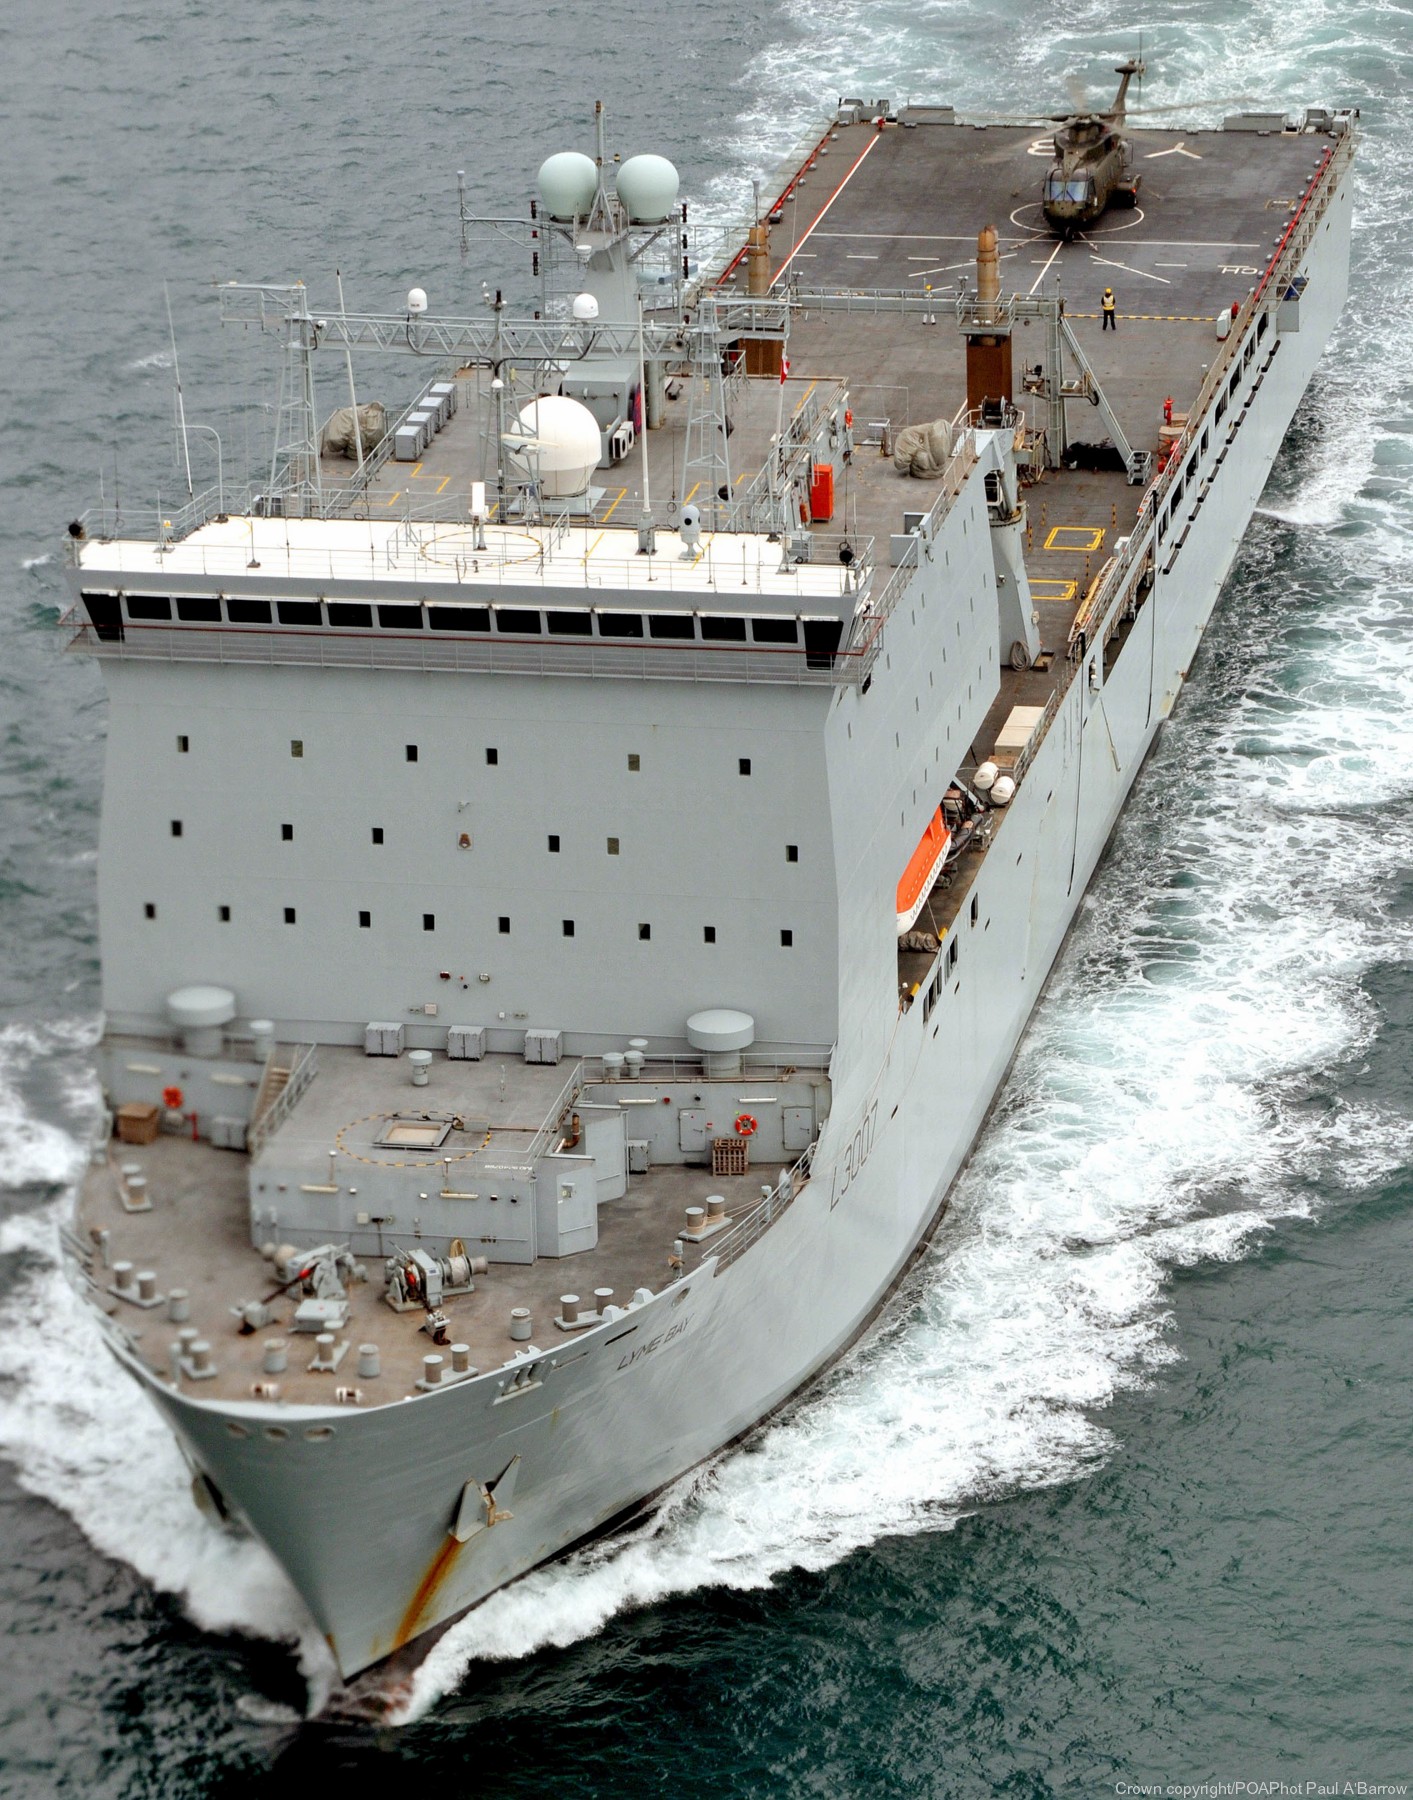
(721, 1034)
(198, 1014)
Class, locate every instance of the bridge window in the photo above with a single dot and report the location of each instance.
(723, 630)
(298, 612)
(149, 606)
(775, 631)
(457, 618)
(644, 933)
(183, 745)
(350, 613)
(708, 934)
(627, 625)
(518, 620)
(570, 624)
(365, 920)
(200, 611)
(672, 625)
(248, 612)
(398, 618)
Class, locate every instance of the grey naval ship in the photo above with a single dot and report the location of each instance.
(582, 841)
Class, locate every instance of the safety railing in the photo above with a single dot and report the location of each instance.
(758, 1221)
(269, 1117)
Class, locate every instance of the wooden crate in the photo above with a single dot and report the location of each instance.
(730, 1155)
(137, 1122)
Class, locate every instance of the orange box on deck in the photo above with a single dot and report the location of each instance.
(137, 1122)
(822, 493)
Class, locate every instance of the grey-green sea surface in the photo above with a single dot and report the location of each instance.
(1117, 1496)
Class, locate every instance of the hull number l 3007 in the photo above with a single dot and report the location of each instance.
(851, 1163)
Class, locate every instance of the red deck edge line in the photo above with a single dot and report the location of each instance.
(870, 145)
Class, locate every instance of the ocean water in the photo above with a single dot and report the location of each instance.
(1118, 1490)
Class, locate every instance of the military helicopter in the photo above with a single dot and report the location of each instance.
(1093, 166)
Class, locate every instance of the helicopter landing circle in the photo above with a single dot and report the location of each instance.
(1134, 217)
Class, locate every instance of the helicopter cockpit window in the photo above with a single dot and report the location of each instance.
(1077, 191)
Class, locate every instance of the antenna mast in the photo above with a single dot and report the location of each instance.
(177, 377)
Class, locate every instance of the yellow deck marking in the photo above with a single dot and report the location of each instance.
(1080, 538)
(441, 485)
(1155, 318)
(392, 496)
(609, 514)
(688, 500)
(1046, 587)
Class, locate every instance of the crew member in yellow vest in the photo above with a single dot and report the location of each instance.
(1108, 306)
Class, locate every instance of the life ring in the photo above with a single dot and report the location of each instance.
(172, 1098)
(745, 1125)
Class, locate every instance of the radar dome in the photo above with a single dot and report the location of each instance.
(568, 183)
(564, 446)
(647, 186)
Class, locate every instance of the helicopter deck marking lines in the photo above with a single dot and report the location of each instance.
(946, 268)
(1128, 268)
(609, 514)
(867, 150)
(1092, 535)
(1059, 246)
(1154, 318)
(1051, 588)
(1179, 149)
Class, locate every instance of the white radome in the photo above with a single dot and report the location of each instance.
(565, 444)
(567, 182)
(648, 187)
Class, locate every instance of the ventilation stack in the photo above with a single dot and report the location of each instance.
(988, 331)
(763, 355)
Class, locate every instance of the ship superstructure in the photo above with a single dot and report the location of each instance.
(579, 851)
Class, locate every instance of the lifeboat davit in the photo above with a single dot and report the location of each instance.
(924, 866)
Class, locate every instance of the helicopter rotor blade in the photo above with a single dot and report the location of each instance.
(1136, 112)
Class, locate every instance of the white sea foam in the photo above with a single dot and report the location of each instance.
(35, 562)
(81, 1434)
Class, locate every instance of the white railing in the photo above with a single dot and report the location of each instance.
(267, 1120)
(757, 1222)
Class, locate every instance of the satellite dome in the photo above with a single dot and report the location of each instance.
(565, 446)
(647, 186)
(568, 182)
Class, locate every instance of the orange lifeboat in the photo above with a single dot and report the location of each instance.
(924, 865)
